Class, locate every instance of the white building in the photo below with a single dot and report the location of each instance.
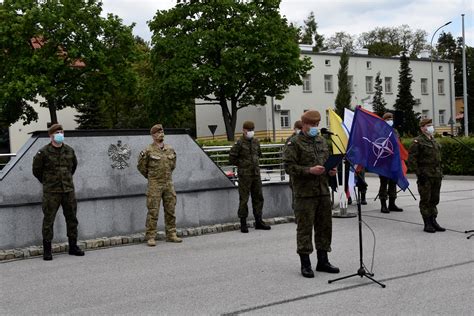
(319, 91)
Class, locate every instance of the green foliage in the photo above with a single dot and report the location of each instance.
(310, 35)
(343, 98)
(378, 102)
(455, 158)
(229, 53)
(341, 39)
(405, 100)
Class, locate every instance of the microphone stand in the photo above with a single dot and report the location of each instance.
(362, 271)
(465, 146)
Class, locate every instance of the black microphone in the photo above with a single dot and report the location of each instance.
(326, 131)
(444, 134)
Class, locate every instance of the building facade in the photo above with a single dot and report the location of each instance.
(319, 91)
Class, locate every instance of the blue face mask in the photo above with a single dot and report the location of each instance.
(59, 138)
(313, 131)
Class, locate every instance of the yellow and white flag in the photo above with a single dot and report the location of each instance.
(340, 138)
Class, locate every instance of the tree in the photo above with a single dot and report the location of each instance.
(378, 102)
(57, 53)
(341, 40)
(232, 54)
(390, 41)
(310, 35)
(343, 98)
(405, 100)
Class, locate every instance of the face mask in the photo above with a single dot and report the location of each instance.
(430, 130)
(297, 131)
(59, 138)
(250, 134)
(313, 131)
(389, 122)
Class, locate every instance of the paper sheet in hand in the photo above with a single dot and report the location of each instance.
(333, 161)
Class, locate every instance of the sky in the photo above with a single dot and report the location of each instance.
(351, 16)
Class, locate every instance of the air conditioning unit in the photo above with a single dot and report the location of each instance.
(277, 107)
(417, 101)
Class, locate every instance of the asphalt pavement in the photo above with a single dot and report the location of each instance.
(259, 273)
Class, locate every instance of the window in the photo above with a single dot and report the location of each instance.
(307, 83)
(424, 86)
(328, 83)
(440, 68)
(369, 84)
(327, 62)
(441, 117)
(440, 86)
(285, 119)
(388, 85)
(369, 65)
(424, 114)
(350, 82)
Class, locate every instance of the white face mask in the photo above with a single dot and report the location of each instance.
(430, 130)
(250, 134)
(297, 131)
(390, 122)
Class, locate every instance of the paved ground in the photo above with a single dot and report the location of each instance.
(258, 273)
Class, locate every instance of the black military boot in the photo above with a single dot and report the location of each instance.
(74, 250)
(243, 225)
(392, 207)
(428, 225)
(363, 201)
(259, 224)
(47, 255)
(306, 269)
(323, 263)
(384, 208)
(436, 225)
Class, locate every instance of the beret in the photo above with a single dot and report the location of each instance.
(248, 125)
(298, 124)
(54, 128)
(311, 117)
(387, 115)
(425, 121)
(156, 128)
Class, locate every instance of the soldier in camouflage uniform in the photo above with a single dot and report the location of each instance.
(304, 158)
(425, 159)
(156, 163)
(384, 181)
(54, 166)
(245, 154)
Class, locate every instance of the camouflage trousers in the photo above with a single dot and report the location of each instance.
(51, 203)
(313, 213)
(153, 200)
(250, 186)
(392, 188)
(429, 190)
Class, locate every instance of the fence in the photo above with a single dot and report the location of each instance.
(271, 162)
(4, 159)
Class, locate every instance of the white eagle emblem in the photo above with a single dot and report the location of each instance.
(119, 155)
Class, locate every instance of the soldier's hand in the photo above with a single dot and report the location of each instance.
(317, 170)
(332, 172)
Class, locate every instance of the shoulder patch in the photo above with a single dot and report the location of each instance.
(415, 141)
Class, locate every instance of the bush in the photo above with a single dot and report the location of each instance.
(455, 158)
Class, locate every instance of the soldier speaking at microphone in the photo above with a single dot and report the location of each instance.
(304, 159)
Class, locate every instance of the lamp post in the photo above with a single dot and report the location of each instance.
(432, 78)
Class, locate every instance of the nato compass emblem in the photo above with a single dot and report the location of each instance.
(381, 147)
(119, 154)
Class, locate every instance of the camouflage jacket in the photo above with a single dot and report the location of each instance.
(301, 153)
(245, 155)
(54, 168)
(425, 157)
(157, 164)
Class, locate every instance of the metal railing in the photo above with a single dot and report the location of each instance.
(5, 158)
(271, 162)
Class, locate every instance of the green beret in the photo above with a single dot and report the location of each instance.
(54, 128)
(425, 121)
(248, 125)
(311, 117)
(156, 128)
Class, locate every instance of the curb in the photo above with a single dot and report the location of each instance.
(15, 254)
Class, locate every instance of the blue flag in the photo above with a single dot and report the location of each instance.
(374, 145)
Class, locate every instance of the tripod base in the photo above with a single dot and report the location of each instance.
(362, 273)
(343, 213)
(469, 231)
